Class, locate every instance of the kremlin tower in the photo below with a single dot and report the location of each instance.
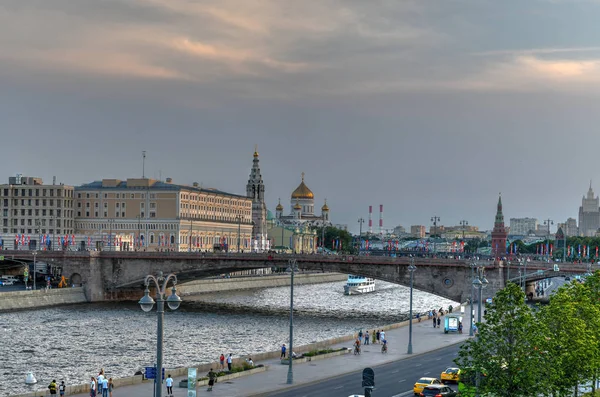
(499, 233)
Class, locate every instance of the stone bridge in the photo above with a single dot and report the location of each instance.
(119, 275)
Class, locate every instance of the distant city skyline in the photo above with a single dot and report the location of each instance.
(429, 108)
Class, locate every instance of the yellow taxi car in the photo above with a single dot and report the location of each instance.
(422, 382)
(450, 375)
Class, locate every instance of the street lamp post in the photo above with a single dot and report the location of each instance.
(411, 269)
(473, 265)
(34, 253)
(360, 223)
(480, 282)
(463, 225)
(239, 219)
(110, 239)
(548, 222)
(190, 236)
(435, 219)
(323, 236)
(293, 267)
(146, 303)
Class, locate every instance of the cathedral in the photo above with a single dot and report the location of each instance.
(302, 211)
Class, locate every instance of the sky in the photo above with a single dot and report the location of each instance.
(431, 108)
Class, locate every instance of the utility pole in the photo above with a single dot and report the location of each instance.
(360, 222)
(435, 219)
(143, 164)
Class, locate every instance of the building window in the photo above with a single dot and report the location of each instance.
(96, 205)
(105, 205)
(78, 195)
(43, 212)
(78, 205)
(152, 214)
(117, 205)
(105, 195)
(96, 214)
(87, 195)
(118, 195)
(142, 205)
(51, 192)
(37, 212)
(96, 195)
(141, 214)
(151, 238)
(122, 215)
(152, 205)
(105, 214)
(122, 205)
(116, 214)
(87, 214)
(87, 205)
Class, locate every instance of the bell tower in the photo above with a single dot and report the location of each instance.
(499, 233)
(255, 189)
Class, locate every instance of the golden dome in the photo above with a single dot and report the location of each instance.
(325, 207)
(255, 150)
(302, 191)
(279, 206)
(297, 206)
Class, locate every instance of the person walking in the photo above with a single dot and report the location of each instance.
(438, 322)
(382, 335)
(360, 334)
(374, 336)
(366, 337)
(283, 349)
(434, 321)
(212, 377)
(52, 387)
(61, 388)
(229, 361)
(93, 387)
(222, 361)
(111, 386)
(378, 335)
(169, 384)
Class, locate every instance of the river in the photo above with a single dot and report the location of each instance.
(71, 343)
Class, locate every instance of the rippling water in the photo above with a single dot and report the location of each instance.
(72, 343)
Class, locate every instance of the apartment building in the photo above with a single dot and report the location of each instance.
(30, 208)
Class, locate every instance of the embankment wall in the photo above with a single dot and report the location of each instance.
(20, 300)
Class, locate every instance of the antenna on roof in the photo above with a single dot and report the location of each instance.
(143, 164)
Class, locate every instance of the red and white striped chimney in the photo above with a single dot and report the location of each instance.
(370, 219)
(380, 218)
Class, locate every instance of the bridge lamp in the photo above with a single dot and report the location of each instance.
(292, 268)
(147, 303)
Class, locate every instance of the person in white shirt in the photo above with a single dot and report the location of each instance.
(169, 383)
(250, 362)
(382, 335)
(93, 387)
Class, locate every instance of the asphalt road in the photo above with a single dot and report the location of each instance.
(392, 380)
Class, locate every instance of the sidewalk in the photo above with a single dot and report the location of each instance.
(425, 338)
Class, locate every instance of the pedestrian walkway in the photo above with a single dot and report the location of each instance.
(425, 339)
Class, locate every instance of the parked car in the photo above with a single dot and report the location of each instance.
(438, 391)
(450, 375)
(421, 383)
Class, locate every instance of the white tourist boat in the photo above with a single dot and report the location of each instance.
(359, 285)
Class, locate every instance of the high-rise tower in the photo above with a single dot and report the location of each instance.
(589, 214)
(255, 189)
(499, 233)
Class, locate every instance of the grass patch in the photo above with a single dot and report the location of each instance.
(313, 353)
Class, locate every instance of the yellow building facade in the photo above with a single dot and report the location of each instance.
(146, 214)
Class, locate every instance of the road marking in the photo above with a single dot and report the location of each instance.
(403, 380)
(406, 393)
(426, 373)
(438, 359)
(339, 387)
(418, 365)
(396, 371)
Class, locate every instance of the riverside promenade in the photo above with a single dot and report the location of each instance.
(425, 339)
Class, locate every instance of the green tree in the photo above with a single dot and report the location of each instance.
(507, 349)
(333, 233)
(571, 346)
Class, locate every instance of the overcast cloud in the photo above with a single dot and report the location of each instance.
(428, 107)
